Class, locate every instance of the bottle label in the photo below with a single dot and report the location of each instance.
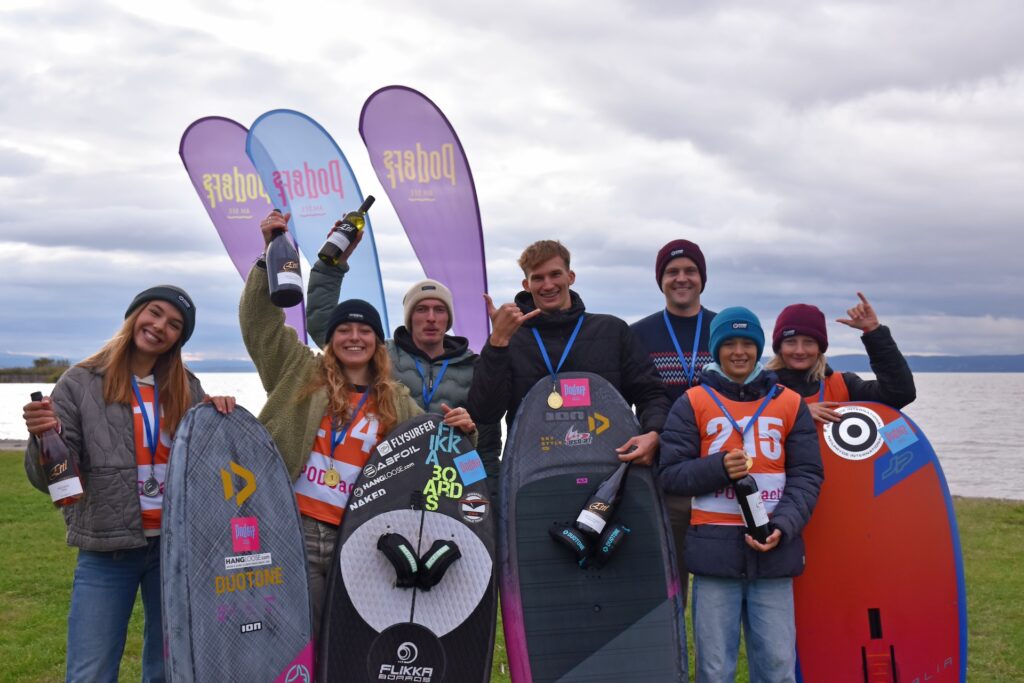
(65, 488)
(339, 238)
(757, 512)
(589, 520)
(286, 278)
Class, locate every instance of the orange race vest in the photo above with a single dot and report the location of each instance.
(151, 506)
(835, 390)
(764, 442)
(327, 503)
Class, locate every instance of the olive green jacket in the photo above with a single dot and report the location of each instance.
(286, 365)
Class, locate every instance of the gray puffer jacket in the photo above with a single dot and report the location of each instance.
(108, 517)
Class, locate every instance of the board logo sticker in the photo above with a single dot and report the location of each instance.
(298, 674)
(898, 435)
(549, 442)
(471, 468)
(575, 392)
(252, 627)
(245, 534)
(857, 435)
(598, 423)
(445, 441)
(244, 561)
(474, 508)
(247, 490)
(575, 438)
(406, 652)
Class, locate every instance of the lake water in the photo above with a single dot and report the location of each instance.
(969, 418)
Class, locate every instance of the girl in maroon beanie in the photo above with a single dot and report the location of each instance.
(800, 341)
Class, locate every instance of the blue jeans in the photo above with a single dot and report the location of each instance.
(101, 605)
(765, 609)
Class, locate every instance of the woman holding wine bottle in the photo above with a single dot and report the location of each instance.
(113, 417)
(746, 449)
(800, 340)
(326, 412)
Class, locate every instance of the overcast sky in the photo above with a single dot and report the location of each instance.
(812, 149)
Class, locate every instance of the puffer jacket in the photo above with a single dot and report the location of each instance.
(894, 383)
(286, 366)
(719, 550)
(321, 297)
(102, 439)
(605, 346)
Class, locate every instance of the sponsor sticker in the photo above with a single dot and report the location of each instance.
(245, 561)
(575, 392)
(252, 627)
(857, 435)
(577, 438)
(898, 435)
(549, 442)
(474, 508)
(471, 467)
(245, 534)
(246, 580)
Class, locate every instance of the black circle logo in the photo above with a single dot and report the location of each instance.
(406, 652)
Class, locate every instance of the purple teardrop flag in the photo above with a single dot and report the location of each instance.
(213, 151)
(422, 166)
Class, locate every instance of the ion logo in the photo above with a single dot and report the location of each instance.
(857, 434)
(253, 627)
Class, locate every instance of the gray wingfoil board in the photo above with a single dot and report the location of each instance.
(426, 483)
(564, 623)
(235, 588)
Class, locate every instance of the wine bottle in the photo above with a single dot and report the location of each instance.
(283, 271)
(344, 232)
(62, 477)
(752, 507)
(602, 503)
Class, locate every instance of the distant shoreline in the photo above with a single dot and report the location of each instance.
(13, 445)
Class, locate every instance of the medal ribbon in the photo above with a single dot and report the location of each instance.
(338, 437)
(821, 390)
(434, 384)
(561, 361)
(679, 351)
(764, 404)
(151, 438)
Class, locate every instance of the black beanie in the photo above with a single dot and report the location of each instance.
(355, 311)
(175, 296)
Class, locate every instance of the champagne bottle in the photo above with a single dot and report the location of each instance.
(62, 477)
(752, 506)
(344, 232)
(602, 503)
(283, 271)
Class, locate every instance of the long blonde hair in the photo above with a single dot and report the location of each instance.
(815, 373)
(331, 376)
(114, 360)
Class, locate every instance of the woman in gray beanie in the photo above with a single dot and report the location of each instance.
(117, 412)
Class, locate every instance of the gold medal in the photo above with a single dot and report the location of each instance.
(555, 400)
(750, 463)
(332, 478)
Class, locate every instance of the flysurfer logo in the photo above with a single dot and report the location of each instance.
(405, 669)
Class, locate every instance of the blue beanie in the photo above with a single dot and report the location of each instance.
(735, 321)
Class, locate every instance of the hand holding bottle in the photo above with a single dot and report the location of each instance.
(40, 417)
(342, 238)
(735, 463)
(275, 220)
(769, 544)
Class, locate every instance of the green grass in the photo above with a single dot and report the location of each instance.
(35, 586)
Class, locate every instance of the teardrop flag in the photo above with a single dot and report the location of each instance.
(421, 164)
(213, 151)
(307, 175)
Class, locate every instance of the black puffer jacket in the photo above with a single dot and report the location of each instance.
(605, 346)
(718, 550)
(894, 383)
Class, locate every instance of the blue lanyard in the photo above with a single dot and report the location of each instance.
(696, 343)
(544, 351)
(339, 437)
(151, 442)
(821, 391)
(743, 432)
(429, 389)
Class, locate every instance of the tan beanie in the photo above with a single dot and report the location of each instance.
(427, 289)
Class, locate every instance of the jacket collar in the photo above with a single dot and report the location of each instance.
(550, 321)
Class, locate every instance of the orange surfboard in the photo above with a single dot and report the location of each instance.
(882, 598)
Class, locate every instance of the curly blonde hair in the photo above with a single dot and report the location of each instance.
(331, 376)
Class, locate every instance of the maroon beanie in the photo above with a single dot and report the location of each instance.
(800, 319)
(676, 249)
